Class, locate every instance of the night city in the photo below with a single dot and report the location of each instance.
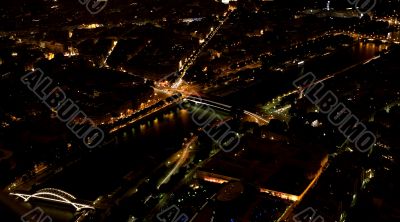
(200, 111)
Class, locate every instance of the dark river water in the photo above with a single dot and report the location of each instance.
(140, 148)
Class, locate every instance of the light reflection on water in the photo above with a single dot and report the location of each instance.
(140, 148)
(366, 50)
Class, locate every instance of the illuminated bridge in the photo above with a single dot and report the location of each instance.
(210, 103)
(222, 106)
(54, 195)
